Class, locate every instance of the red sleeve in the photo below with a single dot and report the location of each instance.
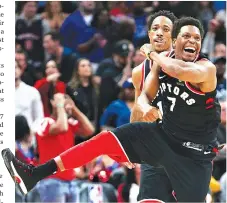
(40, 83)
(74, 124)
(44, 127)
(60, 87)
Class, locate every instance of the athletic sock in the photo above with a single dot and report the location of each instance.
(45, 170)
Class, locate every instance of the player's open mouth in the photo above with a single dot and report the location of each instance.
(159, 41)
(189, 50)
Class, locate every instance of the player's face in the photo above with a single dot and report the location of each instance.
(160, 34)
(188, 43)
(84, 68)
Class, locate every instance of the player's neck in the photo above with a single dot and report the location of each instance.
(84, 81)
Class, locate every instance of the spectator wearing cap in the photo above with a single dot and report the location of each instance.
(118, 112)
(112, 73)
(114, 66)
(220, 63)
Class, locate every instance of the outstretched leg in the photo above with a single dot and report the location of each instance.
(130, 143)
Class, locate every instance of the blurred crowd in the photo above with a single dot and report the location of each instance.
(87, 50)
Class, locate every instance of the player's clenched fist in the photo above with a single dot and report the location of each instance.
(145, 49)
(151, 113)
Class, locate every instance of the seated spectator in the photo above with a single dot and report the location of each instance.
(24, 149)
(219, 50)
(43, 85)
(129, 190)
(64, 57)
(219, 164)
(58, 131)
(28, 72)
(138, 14)
(113, 72)
(82, 89)
(54, 15)
(79, 35)
(27, 100)
(220, 64)
(118, 112)
(30, 29)
(107, 29)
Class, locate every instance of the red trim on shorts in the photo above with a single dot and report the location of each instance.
(193, 89)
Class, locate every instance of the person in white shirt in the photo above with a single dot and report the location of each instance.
(27, 100)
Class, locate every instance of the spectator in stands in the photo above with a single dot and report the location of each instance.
(129, 190)
(52, 79)
(118, 112)
(83, 89)
(216, 33)
(24, 149)
(54, 15)
(206, 13)
(113, 72)
(219, 166)
(118, 63)
(28, 74)
(79, 35)
(64, 57)
(27, 100)
(220, 64)
(58, 132)
(108, 30)
(140, 17)
(219, 50)
(30, 29)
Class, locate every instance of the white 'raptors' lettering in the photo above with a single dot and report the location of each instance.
(190, 101)
(163, 87)
(169, 87)
(176, 91)
(184, 95)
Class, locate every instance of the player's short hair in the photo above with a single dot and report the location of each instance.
(184, 21)
(165, 13)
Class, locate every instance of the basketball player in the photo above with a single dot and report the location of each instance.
(154, 182)
(184, 143)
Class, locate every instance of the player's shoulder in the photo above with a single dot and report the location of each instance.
(137, 74)
(203, 60)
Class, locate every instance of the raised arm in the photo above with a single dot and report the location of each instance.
(202, 71)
